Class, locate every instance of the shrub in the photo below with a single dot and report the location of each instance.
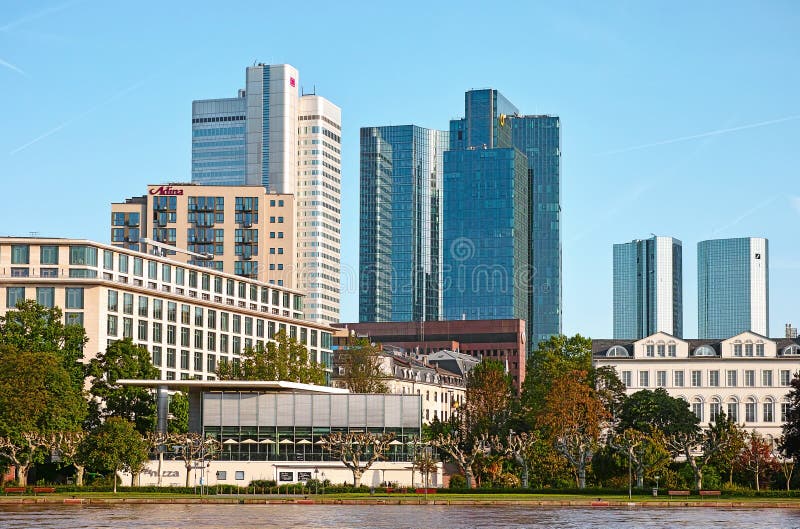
(457, 481)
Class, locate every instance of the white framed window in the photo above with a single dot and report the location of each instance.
(697, 408)
(732, 382)
(678, 379)
(749, 378)
(661, 379)
(644, 379)
(786, 377)
(697, 378)
(750, 411)
(769, 411)
(766, 378)
(713, 378)
(626, 378)
(714, 409)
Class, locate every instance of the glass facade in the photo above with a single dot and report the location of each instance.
(539, 137)
(485, 231)
(400, 239)
(648, 288)
(218, 141)
(732, 287)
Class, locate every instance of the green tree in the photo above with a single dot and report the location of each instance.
(179, 413)
(646, 410)
(646, 452)
(790, 440)
(487, 403)
(758, 458)
(116, 446)
(124, 360)
(37, 329)
(728, 456)
(361, 366)
(553, 358)
(47, 404)
(283, 359)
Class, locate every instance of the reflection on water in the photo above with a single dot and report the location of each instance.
(385, 516)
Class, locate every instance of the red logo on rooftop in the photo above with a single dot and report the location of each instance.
(291, 82)
(166, 190)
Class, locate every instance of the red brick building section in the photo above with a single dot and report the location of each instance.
(502, 340)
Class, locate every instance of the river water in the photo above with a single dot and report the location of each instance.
(386, 517)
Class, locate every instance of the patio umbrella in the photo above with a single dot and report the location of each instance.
(395, 442)
(304, 442)
(230, 443)
(267, 442)
(286, 442)
(249, 442)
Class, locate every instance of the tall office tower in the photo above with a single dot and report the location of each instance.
(288, 143)
(401, 239)
(539, 137)
(486, 230)
(491, 121)
(648, 288)
(732, 287)
(218, 141)
(318, 191)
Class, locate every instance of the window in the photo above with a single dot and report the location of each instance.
(759, 349)
(661, 379)
(111, 325)
(644, 379)
(113, 298)
(737, 349)
(749, 378)
(127, 303)
(48, 255)
(750, 410)
(678, 379)
(184, 336)
(127, 328)
(170, 357)
(715, 409)
(184, 359)
(123, 264)
(748, 349)
(152, 270)
(20, 254)
(157, 332)
(156, 355)
(73, 318)
(713, 378)
(138, 266)
(240, 475)
(672, 350)
(733, 410)
(158, 309)
(141, 331)
(211, 363)
(661, 350)
(198, 316)
(198, 361)
(74, 298)
(83, 255)
(697, 408)
(185, 314)
(786, 377)
(766, 378)
(143, 306)
(785, 407)
(769, 411)
(179, 272)
(108, 260)
(170, 335)
(732, 378)
(20, 272)
(46, 296)
(697, 379)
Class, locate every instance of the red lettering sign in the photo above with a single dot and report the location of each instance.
(291, 82)
(166, 190)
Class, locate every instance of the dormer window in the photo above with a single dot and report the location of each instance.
(650, 350)
(760, 349)
(737, 349)
(617, 352)
(672, 350)
(792, 350)
(662, 348)
(705, 350)
(748, 349)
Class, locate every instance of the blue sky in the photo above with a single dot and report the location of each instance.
(679, 118)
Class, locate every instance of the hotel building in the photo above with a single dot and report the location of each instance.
(190, 318)
(240, 230)
(290, 143)
(746, 376)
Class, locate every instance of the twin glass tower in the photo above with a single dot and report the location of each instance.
(465, 223)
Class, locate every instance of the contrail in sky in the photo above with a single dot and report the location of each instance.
(744, 215)
(36, 14)
(12, 67)
(76, 118)
(704, 134)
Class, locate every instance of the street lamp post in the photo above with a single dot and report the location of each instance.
(316, 481)
(323, 484)
(630, 474)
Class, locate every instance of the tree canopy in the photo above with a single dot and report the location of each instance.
(360, 367)
(283, 359)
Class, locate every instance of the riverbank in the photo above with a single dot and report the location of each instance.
(448, 500)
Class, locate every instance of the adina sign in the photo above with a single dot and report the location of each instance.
(166, 190)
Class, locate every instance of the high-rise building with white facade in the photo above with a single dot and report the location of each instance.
(289, 143)
(732, 287)
(648, 288)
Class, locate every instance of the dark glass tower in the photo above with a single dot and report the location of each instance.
(400, 240)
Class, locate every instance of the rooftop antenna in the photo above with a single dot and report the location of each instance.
(33, 233)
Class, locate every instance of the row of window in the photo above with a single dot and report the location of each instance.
(49, 255)
(46, 296)
(732, 408)
(713, 378)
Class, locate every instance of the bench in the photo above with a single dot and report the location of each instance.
(710, 493)
(425, 491)
(19, 490)
(43, 490)
(678, 492)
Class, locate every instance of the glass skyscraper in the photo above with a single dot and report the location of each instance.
(401, 240)
(732, 287)
(648, 288)
(218, 141)
(492, 122)
(539, 137)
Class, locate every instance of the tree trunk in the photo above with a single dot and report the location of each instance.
(22, 474)
(468, 476)
(582, 476)
(639, 478)
(79, 470)
(757, 483)
(698, 474)
(160, 461)
(188, 473)
(357, 477)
